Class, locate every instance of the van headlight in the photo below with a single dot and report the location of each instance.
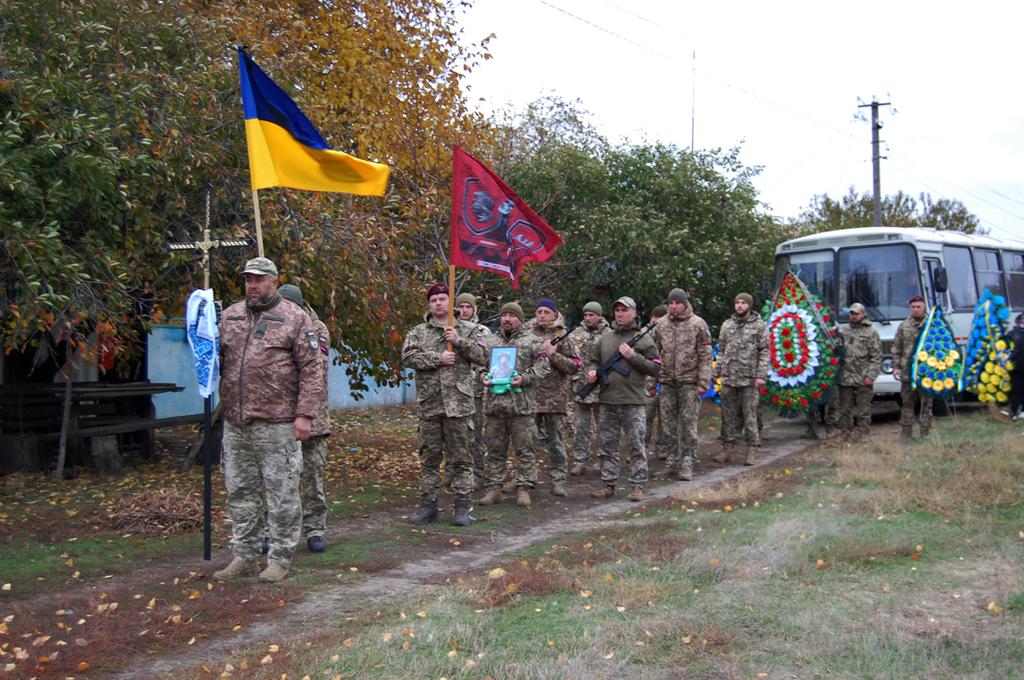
(887, 365)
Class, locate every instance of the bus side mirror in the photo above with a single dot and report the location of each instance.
(940, 280)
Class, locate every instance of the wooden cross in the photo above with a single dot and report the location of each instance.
(207, 244)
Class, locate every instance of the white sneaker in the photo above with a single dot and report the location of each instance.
(1019, 416)
(1006, 413)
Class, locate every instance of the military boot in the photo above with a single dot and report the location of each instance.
(636, 494)
(492, 497)
(578, 470)
(925, 431)
(558, 489)
(462, 517)
(751, 457)
(607, 491)
(273, 573)
(427, 512)
(724, 455)
(685, 473)
(906, 433)
(238, 567)
(523, 497)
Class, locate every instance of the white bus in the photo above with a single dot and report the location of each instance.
(883, 267)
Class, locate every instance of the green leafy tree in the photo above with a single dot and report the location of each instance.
(637, 219)
(112, 127)
(898, 210)
(117, 115)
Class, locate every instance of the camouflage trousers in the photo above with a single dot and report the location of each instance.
(479, 447)
(630, 422)
(450, 440)
(521, 431)
(584, 427)
(262, 463)
(314, 502)
(739, 415)
(680, 408)
(652, 410)
(558, 461)
(854, 403)
(910, 397)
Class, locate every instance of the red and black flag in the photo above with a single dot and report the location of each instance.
(492, 228)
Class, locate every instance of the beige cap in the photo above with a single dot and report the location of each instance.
(858, 307)
(627, 301)
(261, 266)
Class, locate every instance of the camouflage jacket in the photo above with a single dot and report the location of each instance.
(684, 346)
(553, 390)
(531, 363)
(479, 331)
(322, 422)
(442, 390)
(621, 389)
(862, 354)
(742, 350)
(271, 368)
(581, 340)
(904, 344)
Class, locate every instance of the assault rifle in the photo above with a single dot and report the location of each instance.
(616, 362)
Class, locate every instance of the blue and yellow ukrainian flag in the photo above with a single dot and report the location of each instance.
(286, 149)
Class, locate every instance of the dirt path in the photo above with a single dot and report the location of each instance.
(782, 439)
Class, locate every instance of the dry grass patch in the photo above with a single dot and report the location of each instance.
(953, 473)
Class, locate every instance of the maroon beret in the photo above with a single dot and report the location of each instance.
(916, 298)
(437, 289)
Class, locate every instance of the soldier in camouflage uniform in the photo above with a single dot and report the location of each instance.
(272, 387)
(510, 416)
(552, 393)
(684, 346)
(862, 360)
(585, 417)
(651, 406)
(622, 399)
(314, 449)
(466, 307)
(443, 357)
(743, 367)
(903, 347)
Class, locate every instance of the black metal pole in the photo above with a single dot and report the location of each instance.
(207, 485)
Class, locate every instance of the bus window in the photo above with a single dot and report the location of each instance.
(962, 293)
(816, 269)
(1015, 276)
(988, 271)
(934, 299)
(882, 278)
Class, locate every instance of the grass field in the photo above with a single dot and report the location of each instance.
(875, 560)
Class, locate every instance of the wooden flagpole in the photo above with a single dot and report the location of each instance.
(451, 301)
(259, 222)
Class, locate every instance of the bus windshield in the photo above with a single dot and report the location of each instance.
(815, 268)
(882, 278)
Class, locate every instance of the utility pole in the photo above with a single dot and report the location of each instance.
(875, 158)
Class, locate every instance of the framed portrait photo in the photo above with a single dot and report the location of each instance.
(502, 363)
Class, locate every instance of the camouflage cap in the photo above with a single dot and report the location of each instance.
(261, 266)
(858, 308)
(626, 301)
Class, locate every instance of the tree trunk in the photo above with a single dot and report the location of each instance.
(64, 421)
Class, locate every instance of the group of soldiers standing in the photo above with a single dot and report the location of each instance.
(618, 376)
(634, 372)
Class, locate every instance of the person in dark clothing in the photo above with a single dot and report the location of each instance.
(1016, 336)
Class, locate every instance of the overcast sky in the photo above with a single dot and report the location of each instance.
(783, 81)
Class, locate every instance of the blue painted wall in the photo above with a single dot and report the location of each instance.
(170, 360)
